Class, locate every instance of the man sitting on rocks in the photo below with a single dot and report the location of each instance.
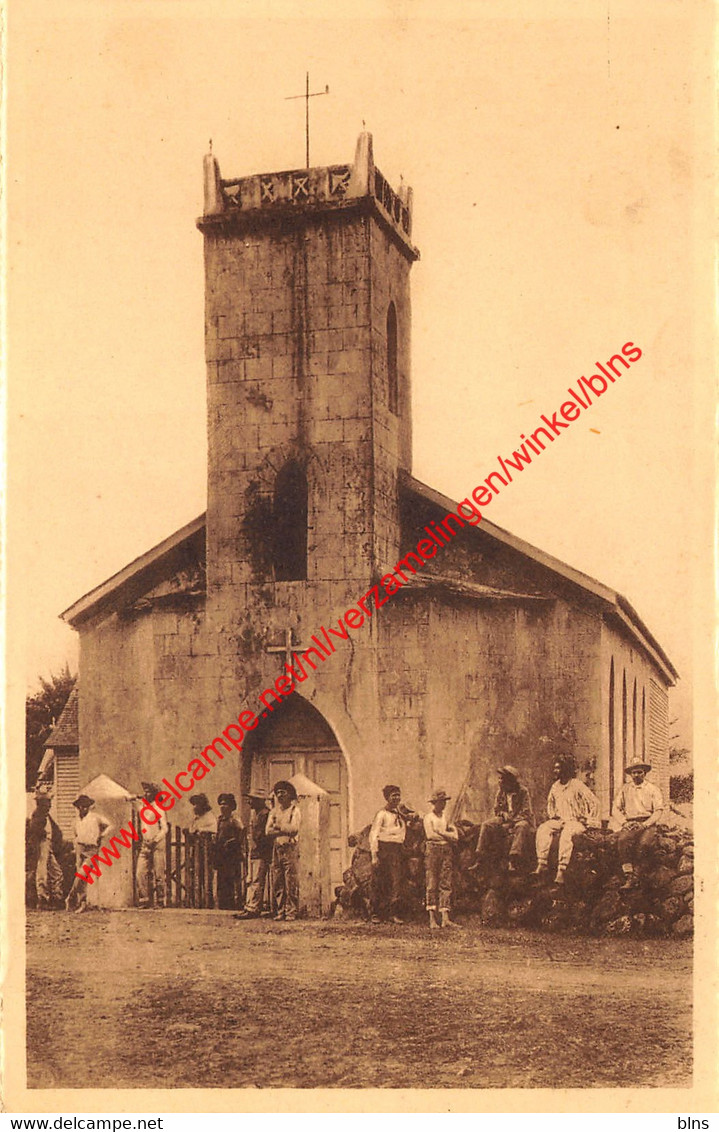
(571, 808)
(637, 810)
(511, 828)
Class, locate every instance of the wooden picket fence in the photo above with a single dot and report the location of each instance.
(189, 875)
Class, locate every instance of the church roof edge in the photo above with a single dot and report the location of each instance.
(619, 606)
(97, 598)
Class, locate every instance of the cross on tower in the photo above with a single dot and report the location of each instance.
(307, 96)
(287, 648)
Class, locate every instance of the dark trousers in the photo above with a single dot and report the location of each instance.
(497, 839)
(634, 841)
(387, 878)
(230, 887)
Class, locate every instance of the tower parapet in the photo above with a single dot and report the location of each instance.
(243, 201)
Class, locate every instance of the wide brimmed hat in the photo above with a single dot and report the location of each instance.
(256, 796)
(646, 767)
(440, 796)
(510, 770)
(283, 784)
(227, 800)
(84, 800)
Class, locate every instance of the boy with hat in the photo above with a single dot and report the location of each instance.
(150, 874)
(386, 842)
(440, 837)
(90, 827)
(512, 826)
(637, 810)
(260, 858)
(230, 854)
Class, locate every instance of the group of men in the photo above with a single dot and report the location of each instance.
(258, 879)
(509, 836)
(271, 887)
(261, 879)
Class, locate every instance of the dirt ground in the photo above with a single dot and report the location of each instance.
(195, 999)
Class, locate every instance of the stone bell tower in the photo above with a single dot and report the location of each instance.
(307, 347)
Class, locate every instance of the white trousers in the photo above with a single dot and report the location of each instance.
(546, 833)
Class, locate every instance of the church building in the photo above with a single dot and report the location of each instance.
(493, 652)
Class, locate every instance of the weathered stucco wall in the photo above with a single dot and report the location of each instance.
(634, 714)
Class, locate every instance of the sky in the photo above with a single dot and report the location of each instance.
(556, 153)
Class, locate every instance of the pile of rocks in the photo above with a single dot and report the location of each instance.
(592, 900)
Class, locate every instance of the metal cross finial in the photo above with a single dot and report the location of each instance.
(307, 96)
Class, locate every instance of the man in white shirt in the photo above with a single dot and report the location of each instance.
(439, 839)
(571, 808)
(283, 827)
(637, 810)
(90, 827)
(386, 843)
(150, 875)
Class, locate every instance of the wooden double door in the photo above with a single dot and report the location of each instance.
(326, 768)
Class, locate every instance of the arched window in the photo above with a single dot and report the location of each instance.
(624, 718)
(290, 524)
(392, 359)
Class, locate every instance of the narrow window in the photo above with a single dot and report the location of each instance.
(611, 732)
(290, 524)
(392, 359)
(634, 721)
(624, 719)
(644, 725)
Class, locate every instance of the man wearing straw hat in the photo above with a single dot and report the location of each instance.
(637, 810)
(440, 837)
(90, 827)
(510, 831)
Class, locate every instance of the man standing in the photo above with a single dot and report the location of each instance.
(90, 828)
(571, 808)
(386, 841)
(283, 827)
(637, 810)
(439, 839)
(512, 827)
(260, 858)
(150, 875)
(43, 844)
(230, 854)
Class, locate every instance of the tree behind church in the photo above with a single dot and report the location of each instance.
(42, 711)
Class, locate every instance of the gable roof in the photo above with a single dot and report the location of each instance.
(615, 604)
(138, 576)
(65, 733)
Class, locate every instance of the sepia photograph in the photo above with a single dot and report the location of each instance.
(360, 505)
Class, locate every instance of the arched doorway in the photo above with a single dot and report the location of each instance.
(294, 739)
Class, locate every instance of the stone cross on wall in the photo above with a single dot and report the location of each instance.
(288, 647)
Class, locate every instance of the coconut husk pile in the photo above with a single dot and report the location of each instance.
(591, 901)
